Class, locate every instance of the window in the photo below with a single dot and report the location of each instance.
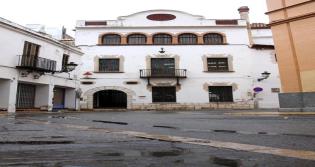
(187, 39)
(220, 94)
(65, 61)
(30, 54)
(217, 64)
(164, 94)
(108, 65)
(111, 39)
(213, 39)
(137, 39)
(162, 39)
(162, 67)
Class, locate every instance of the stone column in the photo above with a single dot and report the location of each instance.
(44, 97)
(70, 99)
(12, 85)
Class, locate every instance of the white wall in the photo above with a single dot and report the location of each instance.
(12, 41)
(262, 36)
(4, 93)
(248, 65)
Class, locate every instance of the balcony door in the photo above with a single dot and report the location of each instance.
(163, 67)
(30, 54)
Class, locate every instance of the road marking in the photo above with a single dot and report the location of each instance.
(268, 113)
(300, 154)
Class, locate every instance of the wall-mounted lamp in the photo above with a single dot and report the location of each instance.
(264, 75)
(70, 67)
(67, 69)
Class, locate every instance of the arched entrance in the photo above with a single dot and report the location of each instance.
(110, 99)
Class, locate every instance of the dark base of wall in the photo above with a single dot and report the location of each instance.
(302, 101)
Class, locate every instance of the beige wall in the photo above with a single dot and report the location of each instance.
(293, 23)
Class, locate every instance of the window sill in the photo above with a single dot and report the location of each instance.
(108, 72)
(218, 71)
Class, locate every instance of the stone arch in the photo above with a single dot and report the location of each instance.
(89, 94)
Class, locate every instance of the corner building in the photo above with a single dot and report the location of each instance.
(168, 60)
(293, 25)
(32, 71)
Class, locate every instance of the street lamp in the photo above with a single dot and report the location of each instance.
(264, 75)
(70, 67)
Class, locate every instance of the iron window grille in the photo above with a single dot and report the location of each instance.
(162, 39)
(137, 39)
(217, 64)
(164, 94)
(108, 65)
(111, 39)
(187, 39)
(213, 39)
(220, 94)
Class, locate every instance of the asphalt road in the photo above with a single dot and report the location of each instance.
(156, 139)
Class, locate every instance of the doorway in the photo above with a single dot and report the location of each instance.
(110, 99)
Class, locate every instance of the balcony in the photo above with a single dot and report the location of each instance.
(163, 73)
(36, 64)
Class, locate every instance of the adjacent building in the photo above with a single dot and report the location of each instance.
(292, 24)
(166, 59)
(37, 72)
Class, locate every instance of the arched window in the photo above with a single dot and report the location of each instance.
(111, 39)
(162, 39)
(137, 39)
(187, 39)
(213, 39)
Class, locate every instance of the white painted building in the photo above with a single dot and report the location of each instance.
(165, 59)
(34, 70)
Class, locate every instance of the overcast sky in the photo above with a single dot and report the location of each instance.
(57, 13)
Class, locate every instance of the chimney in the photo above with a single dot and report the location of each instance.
(244, 13)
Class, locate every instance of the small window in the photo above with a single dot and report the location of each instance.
(65, 61)
(108, 65)
(217, 64)
(187, 39)
(137, 39)
(220, 94)
(213, 39)
(111, 39)
(162, 39)
(164, 94)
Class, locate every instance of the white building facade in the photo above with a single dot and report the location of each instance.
(35, 71)
(165, 60)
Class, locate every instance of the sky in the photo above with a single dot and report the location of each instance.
(58, 13)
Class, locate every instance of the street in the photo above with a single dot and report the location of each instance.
(213, 138)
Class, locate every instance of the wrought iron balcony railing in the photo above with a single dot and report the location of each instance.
(36, 63)
(163, 73)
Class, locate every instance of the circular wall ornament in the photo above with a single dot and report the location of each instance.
(161, 17)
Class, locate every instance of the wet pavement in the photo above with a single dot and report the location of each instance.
(214, 138)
